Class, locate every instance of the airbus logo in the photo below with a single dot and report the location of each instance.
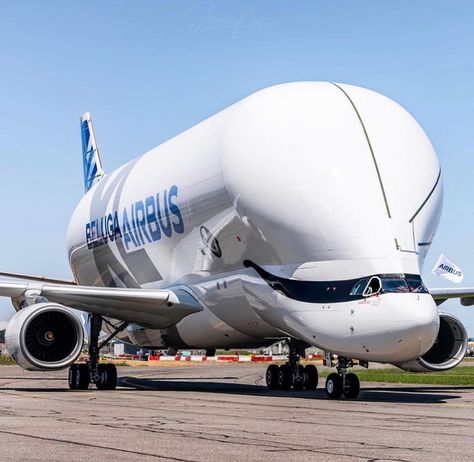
(143, 221)
(448, 269)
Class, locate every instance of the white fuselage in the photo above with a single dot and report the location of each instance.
(311, 182)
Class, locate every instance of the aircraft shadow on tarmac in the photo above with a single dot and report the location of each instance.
(43, 378)
(8, 386)
(430, 394)
(396, 394)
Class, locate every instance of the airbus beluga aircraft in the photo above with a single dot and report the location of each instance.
(303, 212)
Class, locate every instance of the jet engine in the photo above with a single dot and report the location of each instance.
(447, 351)
(44, 336)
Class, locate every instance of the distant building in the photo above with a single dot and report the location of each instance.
(3, 350)
(121, 348)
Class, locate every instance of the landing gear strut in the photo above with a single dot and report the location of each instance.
(342, 382)
(292, 375)
(103, 375)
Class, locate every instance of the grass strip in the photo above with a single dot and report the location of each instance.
(463, 375)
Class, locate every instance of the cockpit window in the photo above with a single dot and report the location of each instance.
(359, 287)
(416, 285)
(388, 283)
(394, 285)
(366, 287)
(403, 283)
(373, 287)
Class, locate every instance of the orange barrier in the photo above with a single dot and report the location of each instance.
(228, 358)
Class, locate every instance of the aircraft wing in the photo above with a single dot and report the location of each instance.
(466, 294)
(30, 277)
(147, 307)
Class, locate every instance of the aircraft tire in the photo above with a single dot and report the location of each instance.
(352, 386)
(334, 386)
(271, 377)
(107, 377)
(82, 377)
(311, 377)
(71, 377)
(285, 377)
(300, 380)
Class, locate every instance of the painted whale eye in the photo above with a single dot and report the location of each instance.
(210, 241)
(373, 287)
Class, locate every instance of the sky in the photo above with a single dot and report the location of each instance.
(147, 70)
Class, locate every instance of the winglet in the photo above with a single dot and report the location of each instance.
(93, 171)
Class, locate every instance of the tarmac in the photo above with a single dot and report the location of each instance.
(208, 412)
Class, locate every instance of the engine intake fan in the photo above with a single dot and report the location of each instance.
(447, 351)
(45, 336)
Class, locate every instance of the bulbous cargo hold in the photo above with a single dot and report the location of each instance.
(332, 172)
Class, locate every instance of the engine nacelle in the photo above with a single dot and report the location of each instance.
(447, 351)
(45, 336)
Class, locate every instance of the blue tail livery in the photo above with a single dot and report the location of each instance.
(92, 164)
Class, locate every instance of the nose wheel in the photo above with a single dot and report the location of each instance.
(342, 383)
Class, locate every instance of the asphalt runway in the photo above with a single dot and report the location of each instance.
(224, 413)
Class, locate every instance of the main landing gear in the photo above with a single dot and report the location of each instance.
(341, 382)
(292, 375)
(104, 376)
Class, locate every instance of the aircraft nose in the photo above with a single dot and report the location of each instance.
(427, 323)
(410, 325)
(391, 328)
(414, 326)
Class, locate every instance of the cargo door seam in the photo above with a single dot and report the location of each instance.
(427, 198)
(370, 148)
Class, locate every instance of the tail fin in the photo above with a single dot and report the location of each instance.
(93, 171)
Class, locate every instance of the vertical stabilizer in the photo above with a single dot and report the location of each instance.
(93, 171)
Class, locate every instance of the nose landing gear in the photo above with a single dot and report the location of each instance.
(342, 382)
(292, 375)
